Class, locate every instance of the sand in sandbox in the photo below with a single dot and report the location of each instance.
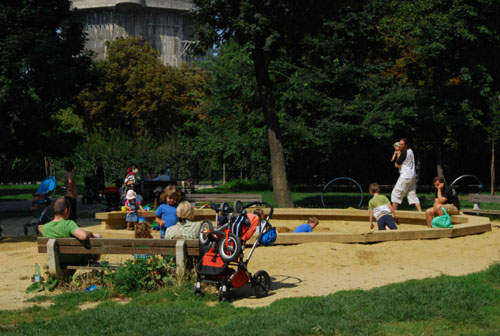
(340, 226)
(310, 269)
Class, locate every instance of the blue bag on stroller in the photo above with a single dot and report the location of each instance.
(41, 202)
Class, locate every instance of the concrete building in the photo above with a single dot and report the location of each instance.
(164, 23)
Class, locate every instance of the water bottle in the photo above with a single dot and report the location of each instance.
(37, 273)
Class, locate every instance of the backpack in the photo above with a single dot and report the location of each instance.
(442, 222)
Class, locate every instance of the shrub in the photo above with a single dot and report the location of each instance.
(131, 277)
(246, 185)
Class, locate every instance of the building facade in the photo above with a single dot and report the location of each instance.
(164, 23)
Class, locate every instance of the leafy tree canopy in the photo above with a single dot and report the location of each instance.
(42, 67)
(139, 95)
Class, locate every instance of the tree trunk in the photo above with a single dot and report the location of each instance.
(224, 172)
(492, 168)
(282, 193)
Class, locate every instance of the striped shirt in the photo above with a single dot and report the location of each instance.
(186, 230)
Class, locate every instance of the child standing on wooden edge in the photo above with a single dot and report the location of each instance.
(380, 207)
(132, 206)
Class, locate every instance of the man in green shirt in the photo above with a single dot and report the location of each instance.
(62, 227)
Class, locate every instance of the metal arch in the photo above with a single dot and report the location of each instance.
(342, 178)
(467, 175)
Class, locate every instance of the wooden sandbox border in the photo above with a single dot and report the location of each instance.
(463, 225)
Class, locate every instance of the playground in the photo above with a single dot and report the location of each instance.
(307, 269)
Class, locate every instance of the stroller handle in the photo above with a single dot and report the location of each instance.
(261, 203)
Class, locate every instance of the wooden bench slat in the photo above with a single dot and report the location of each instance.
(121, 242)
(481, 198)
(192, 251)
(478, 198)
(55, 247)
(91, 267)
(228, 196)
(481, 211)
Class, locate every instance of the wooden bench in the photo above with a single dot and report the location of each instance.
(221, 198)
(146, 188)
(55, 247)
(477, 199)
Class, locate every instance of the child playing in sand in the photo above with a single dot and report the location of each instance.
(132, 206)
(311, 224)
(142, 230)
(262, 222)
(166, 215)
(380, 207)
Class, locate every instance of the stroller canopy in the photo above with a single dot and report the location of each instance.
(48, 185)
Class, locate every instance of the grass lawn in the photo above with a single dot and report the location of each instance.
(24, 192)
(300, 199)
(465, 305)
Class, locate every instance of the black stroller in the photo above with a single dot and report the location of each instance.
(224, 246)
(111, 199)
(41, 203)
(91, 192)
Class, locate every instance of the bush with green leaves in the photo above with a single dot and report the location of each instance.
(131, 277)
(145, 275)
(118, 152)
(50, 284)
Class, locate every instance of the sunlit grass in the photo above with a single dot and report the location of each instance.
(465, 305)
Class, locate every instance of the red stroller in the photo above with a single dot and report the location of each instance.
(223, 247)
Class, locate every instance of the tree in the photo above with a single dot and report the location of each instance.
(448, 50)
(267, 29)
(230, 127)
(139, 95)
(42, 67)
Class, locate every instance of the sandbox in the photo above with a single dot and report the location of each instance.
(337, 225)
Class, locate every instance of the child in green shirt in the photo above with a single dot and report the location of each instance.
(380, 207)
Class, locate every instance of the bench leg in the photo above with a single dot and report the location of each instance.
(53, 256)
(180, 257)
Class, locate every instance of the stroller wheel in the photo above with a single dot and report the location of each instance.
(222, 293)
(261, 284)
(231, 249)
(197, 289)
(205, 227)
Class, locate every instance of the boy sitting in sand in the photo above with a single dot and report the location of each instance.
(311, 224)
(380, 207)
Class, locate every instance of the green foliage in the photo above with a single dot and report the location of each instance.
(446, 49)
(244, 185)
(131, 277)
(147, 275)
(42, 66)
(139, 95)
(50, 284)
(118, 152)
(231, 128)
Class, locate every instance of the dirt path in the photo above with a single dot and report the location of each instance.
(302, 270)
